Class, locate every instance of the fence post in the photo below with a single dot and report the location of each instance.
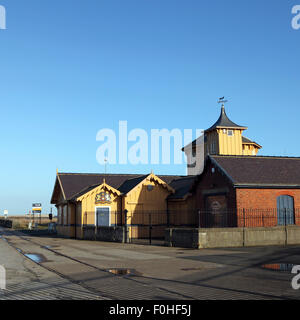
(150, 229)
(243, 227)
(126, 228)
(199, 219)
(285, 210)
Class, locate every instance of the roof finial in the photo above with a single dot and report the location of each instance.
(57, 171)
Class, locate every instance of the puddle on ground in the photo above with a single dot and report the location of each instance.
(38, 258)
(283, 267)
(124, 272)
(191, 269)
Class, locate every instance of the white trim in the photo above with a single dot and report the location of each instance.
(96, 207)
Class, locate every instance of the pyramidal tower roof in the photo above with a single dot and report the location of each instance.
(224, 122)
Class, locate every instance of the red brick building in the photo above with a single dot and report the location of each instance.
(249, 191)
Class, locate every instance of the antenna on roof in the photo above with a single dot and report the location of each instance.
(222, 100)
(105, 166)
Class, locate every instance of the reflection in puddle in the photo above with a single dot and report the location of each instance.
(124, 272)
(284, 267)
(38, 258)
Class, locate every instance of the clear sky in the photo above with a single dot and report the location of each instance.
(69, 68)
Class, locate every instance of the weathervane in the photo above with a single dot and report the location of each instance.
(221, 100)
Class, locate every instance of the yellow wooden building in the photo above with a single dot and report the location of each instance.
(118, 200)
(140, 201)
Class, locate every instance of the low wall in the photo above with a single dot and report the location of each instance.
(232, 237)
(182, 237)
(65, 231)
(111, 234)
(6, 223)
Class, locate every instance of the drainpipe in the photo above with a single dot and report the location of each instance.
(121, 210)
(168, 215)
(75, 235)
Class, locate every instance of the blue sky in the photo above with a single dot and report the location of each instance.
(69, 68)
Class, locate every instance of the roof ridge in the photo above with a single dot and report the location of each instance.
(254, 157)
(99, 174)
(224, 122)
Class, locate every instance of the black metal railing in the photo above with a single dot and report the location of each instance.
(151, 224)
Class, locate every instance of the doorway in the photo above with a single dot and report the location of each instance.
(285, 210)
(103, 216)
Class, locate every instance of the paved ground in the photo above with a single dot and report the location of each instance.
(74, 269)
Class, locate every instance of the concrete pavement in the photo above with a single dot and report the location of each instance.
(157, 272)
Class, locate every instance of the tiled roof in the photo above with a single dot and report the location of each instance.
(182, 187)
(224, 122)
(260, 170)
(246, 141)
(76, 184)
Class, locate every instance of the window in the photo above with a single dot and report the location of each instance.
(65, 215)
(230, 133)
(150, 187)
(59, 215)
(213, 148)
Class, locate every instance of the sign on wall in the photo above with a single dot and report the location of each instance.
(103, 197)
(216, 204)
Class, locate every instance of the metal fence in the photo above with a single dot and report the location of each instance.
(150, 225)
(249, 218)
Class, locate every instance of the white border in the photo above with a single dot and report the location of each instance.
(96, 207)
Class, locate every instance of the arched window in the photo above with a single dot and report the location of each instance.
(285, 210)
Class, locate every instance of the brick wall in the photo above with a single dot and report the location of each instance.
(260, 206)
(246, 207)
(264, 198)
